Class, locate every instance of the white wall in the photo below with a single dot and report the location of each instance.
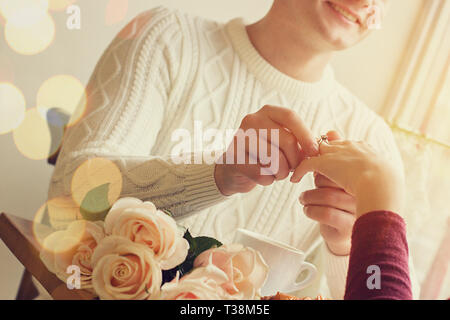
(367, 70)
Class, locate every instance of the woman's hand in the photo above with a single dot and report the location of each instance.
(361, 172)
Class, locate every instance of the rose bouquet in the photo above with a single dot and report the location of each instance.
(139, 252)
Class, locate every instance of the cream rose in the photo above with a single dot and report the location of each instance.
(202, 283)
(245, 269)
(124, 270)
(73, 246)
(142, 223)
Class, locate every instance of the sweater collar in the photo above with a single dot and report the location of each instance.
(271, 76)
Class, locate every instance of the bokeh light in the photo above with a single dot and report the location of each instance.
(55, 213)
(59, 5)
(23, 11)
(12, 107)
(94, 173)
(36, 138)
(116, 11)
(30, 35)
(65, 93)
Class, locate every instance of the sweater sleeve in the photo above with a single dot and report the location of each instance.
(135, 85)
(378, 268)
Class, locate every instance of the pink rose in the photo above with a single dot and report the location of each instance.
(73, 246)
(201, 284)
(124, 270)
(245, 269)
(142, 223)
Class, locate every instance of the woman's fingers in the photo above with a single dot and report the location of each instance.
(323, 182)
(331, 146)
(307, 165)
(329, 197)
(317, 164)
(329, 216)
(333, 135)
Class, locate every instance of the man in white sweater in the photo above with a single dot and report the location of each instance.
(168, 71)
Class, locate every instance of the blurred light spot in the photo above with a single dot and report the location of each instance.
(57, 213)
(65, 93)
(116, 11)
(23, 10)
(94, 173)
(59, 5)
(12, 107)
(30, 35)
(35, 138)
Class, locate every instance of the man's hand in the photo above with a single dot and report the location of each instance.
(333, 208)
(295, 142)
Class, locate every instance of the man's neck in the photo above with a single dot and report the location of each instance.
(286, 51)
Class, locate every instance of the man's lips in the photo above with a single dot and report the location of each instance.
(345, 12)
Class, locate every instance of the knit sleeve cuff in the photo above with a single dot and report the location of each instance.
(336, 268)
(201, 190)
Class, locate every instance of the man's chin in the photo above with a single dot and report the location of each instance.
(339, 42)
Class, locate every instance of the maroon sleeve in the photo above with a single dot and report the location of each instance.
(379, 252)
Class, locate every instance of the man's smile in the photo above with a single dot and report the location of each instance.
(345, 13)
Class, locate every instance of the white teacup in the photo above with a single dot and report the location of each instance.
(285, 263)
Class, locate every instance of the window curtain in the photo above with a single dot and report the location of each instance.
(418, 110)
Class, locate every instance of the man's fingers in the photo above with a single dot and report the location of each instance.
(271, 163)
(269, 136)
(330, 216)
(329, 197)
(279, 167)
(259, 175)
(290, 120)
(247, 165)
(287, 143)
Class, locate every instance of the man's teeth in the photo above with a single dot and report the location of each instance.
(346, 14)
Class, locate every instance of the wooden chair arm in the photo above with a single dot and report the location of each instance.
(18, 235)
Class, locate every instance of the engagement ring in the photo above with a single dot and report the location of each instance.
(323, 138)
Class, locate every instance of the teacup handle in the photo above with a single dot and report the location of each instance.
(312, 271)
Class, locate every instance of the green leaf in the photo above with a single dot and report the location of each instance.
(95, 205)
(205, 243)
(189, 238)
(197, 245)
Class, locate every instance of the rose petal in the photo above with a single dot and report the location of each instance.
(116, 211)
(143, 282)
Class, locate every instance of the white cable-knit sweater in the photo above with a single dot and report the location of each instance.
(165, 71)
